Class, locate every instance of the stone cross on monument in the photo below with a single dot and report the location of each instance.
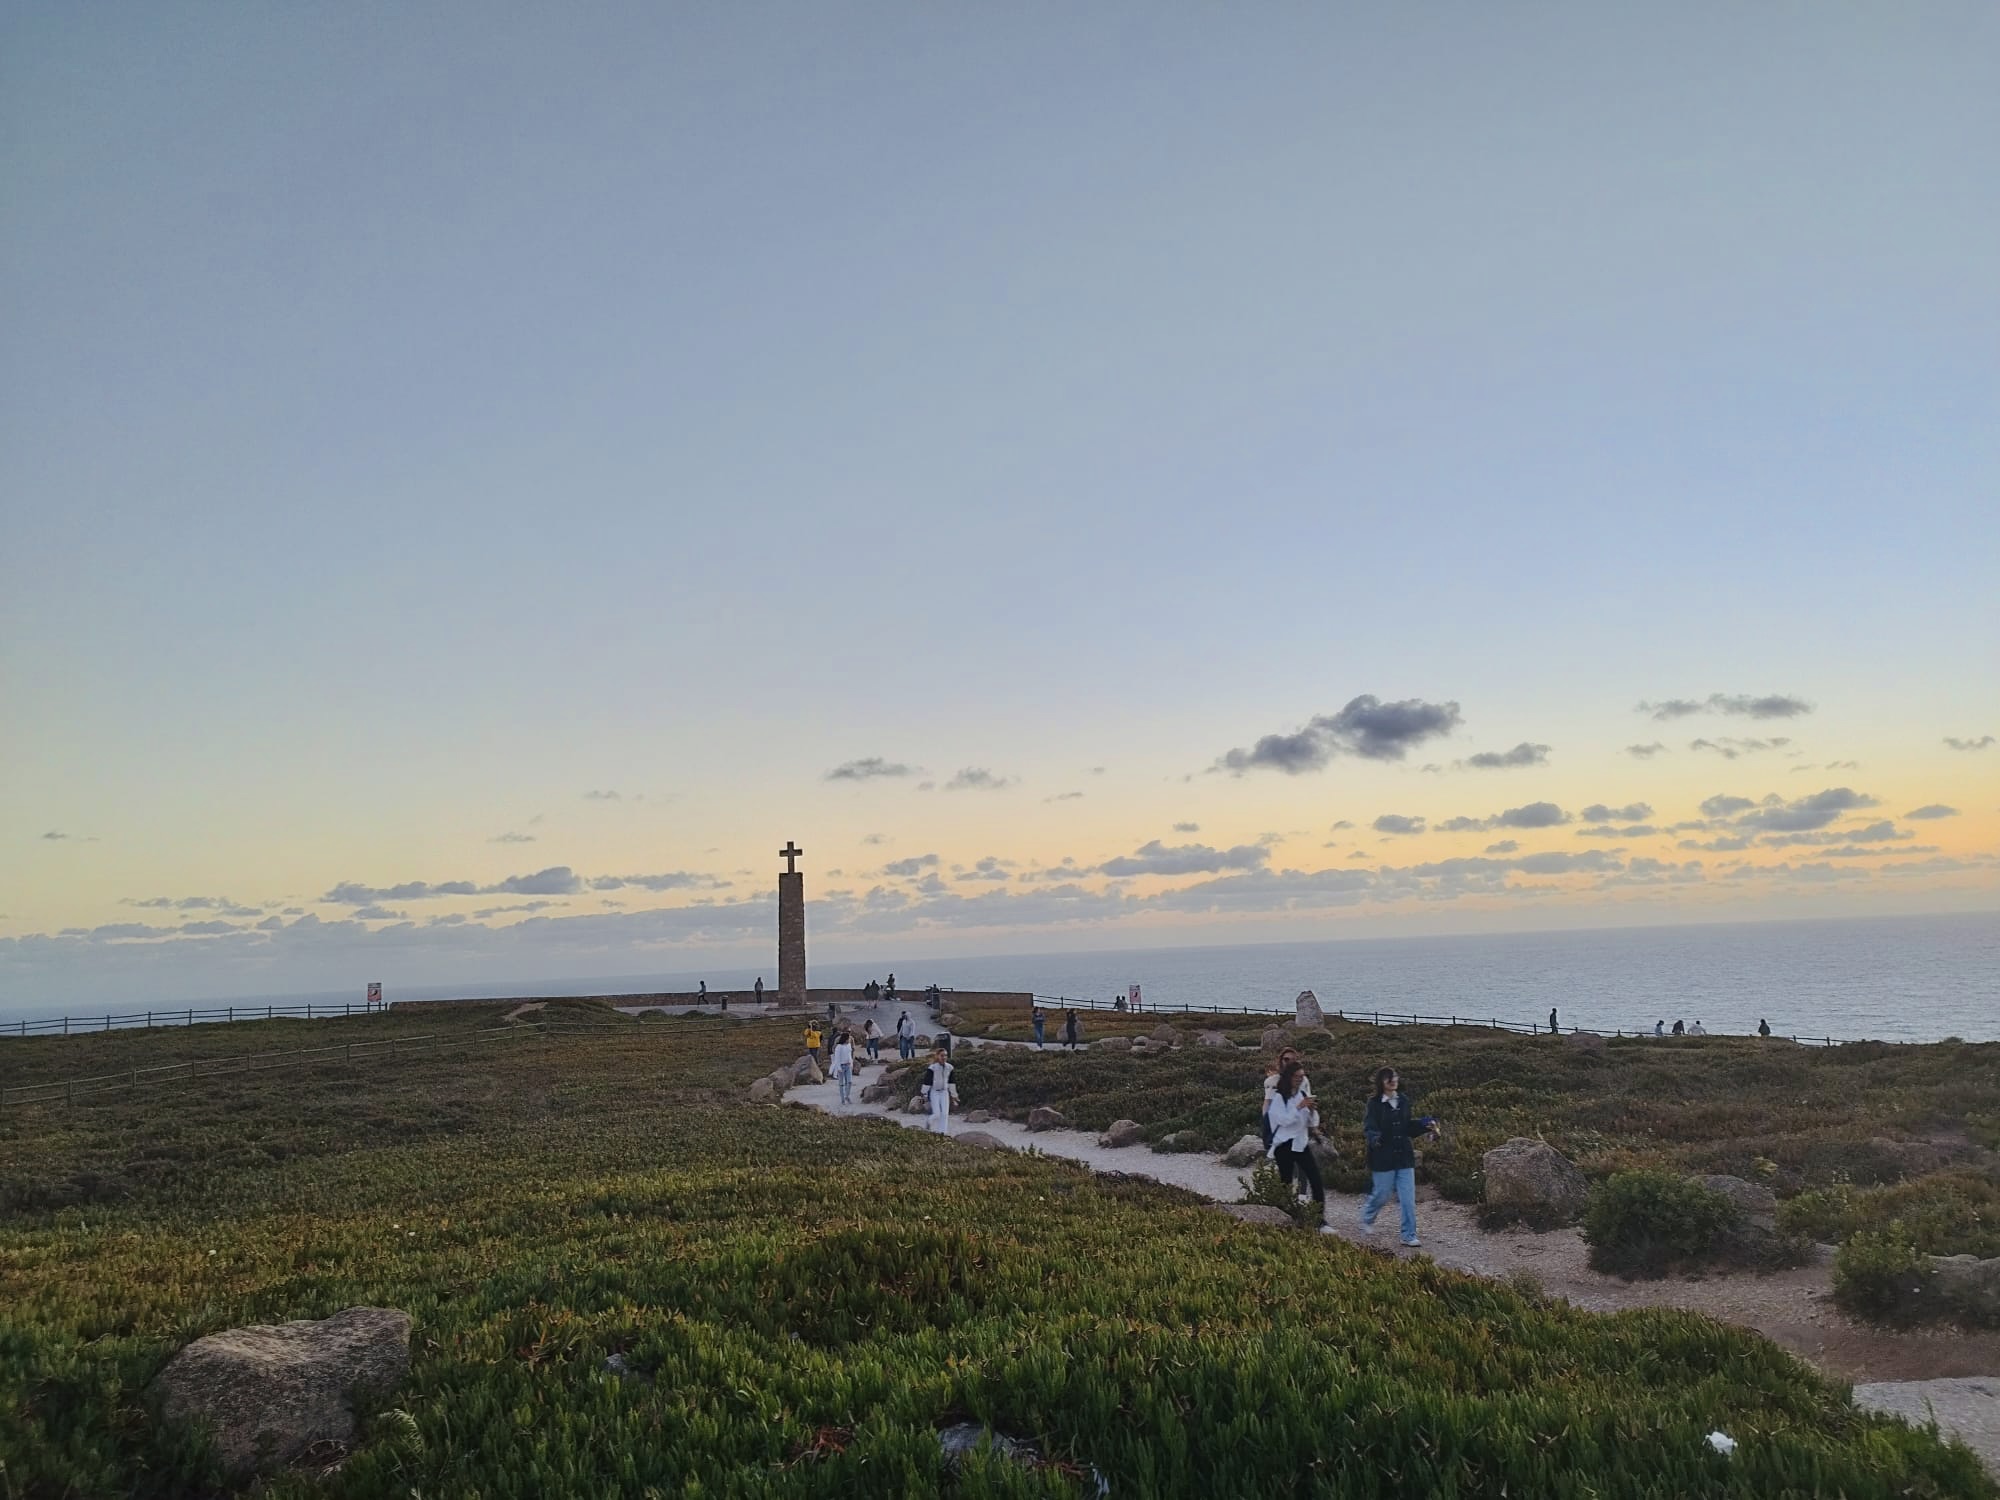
(791, 928)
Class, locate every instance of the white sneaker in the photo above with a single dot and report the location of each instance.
(1366, 1227)
(1413, 1244)
(1328, 1229)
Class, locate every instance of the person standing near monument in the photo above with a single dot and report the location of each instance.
(812, 1041)
(760, 989)
(940, 1091)
(906, 1037)
(843, 1065)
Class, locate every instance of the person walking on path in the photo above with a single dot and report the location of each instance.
(702, 998)
(843, 1065)
(939, 1091)
(1389, 1131)
(1289, 1119)
(1553, 1028)
(1271, 1073)
(1069, 1030)
(906, 1037)
(872, 1035)
(812, 1041)
(1038, 1020)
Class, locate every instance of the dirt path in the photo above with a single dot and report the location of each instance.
(1794, 1309)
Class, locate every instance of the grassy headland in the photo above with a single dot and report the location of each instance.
(804, 1300)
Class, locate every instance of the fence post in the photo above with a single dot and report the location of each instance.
(267, 1012)
(232, 1013)
(65, 1025)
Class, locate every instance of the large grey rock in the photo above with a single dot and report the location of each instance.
(1966, 1407)
(984, 1140)
(1246, 1151)
(763, 1091)
(1309, 1015)
(1259, 1213)
(924, 1041)
(1584, 1041)
(951, 1023)
(977, 1117)
(1968, 1284)
(1274, 1037)
(1325, 1155)
(1179, 1140)
(1164, 1035)
(1041, 1117)
(1755, 1201)
(805, 1071)
(918, 1105)
(1533, 1180)
(897, 1075)
(1122, 1133)
(876, 1093)
(267, 1393)
(1213, 1039)
(1112, 1044)
(781, 1079)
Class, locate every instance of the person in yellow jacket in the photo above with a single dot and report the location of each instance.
(812, 1040)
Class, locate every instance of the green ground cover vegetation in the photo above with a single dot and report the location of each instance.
(804, 1301)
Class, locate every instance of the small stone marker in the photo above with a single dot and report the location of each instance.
(1309, 1013)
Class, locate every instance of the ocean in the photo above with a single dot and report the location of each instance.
(1890, 978)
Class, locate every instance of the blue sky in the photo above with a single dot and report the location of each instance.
(411, 423)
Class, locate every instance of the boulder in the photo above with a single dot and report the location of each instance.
(1309, 1015)
(1757, 1202)
(1273, 1038)
(1180, 1140)
(805, 1071)
(1123, 1133)
(875, 1093)
(980, 1139)
(1259, 1213)
(1534, 1180)
(268, 1393)
(1164, 1035)
(1112, 1044)
(1969, 1285)
(1041, 1117)
(923, 1041)
(781, 1079)
(918, 1105)
(1141, 1046)
(951, 1023)
(977, 1117)
(1245, 1152)
(1213, 1039)
(897, 1075)
(1584, 1041)
(763, 1091)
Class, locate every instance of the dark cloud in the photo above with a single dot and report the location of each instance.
(1340, 826)
(1505, 846)
(1360, 854)
(916, 864)
(1770, 706)
(1645, 752)
(1366, 727)
(602, 797)
(1612, 831)
(976, 779)
(1932, 810)
(376, 914)
(1187, 828)
(501, 911)
(1523, 754)
(1063, 797)
(867, 769)
(512, 838)
(1398, 823)
(195, 903)
(1156, 858)
(988, 868)
(671, 880)
(1533, 815)
(1804, 814)
(1985, 741)
(1728, 843)
(1730, 747)
(1882, 831)
(1465, 825)
(1722, 805)
(875, 838)
(1631, 812)
(557, 880)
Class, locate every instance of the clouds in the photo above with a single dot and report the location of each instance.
(1523, 754)
(1367, 727)
(1803, 814)
(1398, 823)
(1770, 706)
(222, 904)
(1631, 812)
(602, 796)
(977, 779)
(670, 880)
(1645, 752)
(1729, 747)
(869, 768)
(916, 864)
(1187, 828)
(1156, 858)
(1932, 810)
(1063, 797)
(1984, 742)
(1530, 815)
(557, 880)
(57, 836)
(512, 838)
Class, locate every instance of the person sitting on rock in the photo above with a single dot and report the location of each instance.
(939, 1091)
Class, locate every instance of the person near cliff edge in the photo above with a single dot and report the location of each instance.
(1763, 1028)
(760, 989)
(1553, 1028)
(1069, 1029)
(1390, 1130)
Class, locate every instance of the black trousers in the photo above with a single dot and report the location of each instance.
(1307, 1170)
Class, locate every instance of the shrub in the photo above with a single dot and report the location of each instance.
(1882, 1275)
(1271, 1190)
(1950, 1213)
(1648, 1223)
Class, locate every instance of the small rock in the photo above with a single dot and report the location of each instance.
(1164, 1035)
(875, 1093)
(1259, 1213)
(918, 1105)
(1122, 1133)
(763, 1091)
(923, 1041)
(1213, 1039)
(781, 1079)
(1309, 1015)
(1180, 1140)
(1112, 1044)
(1969, 1284)
(1041, 1117)
(1246, 1150)
(951, 1023)
(1273, 1038)
(267, 1393)
(983, 1140)
(977, 1117)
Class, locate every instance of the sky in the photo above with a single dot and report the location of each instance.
(475, 482)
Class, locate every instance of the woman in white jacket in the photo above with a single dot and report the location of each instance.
(843, 1065)
(940, 1091)
(1291, 1116)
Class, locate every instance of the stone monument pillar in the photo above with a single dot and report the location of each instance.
(791, 929)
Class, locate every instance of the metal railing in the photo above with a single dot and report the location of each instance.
(1394, 1018)
(181, 1016)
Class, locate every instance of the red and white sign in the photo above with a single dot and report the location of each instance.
(374, 994)
(1132, 997)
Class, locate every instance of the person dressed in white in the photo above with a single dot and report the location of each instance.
(940, 1091)
(1291, 1117)
(843, 1065)
(1697, 1029)
(872, 1035)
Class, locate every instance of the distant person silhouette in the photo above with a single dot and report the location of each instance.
(1553, 1028)
(1763, 1028)
(1697, 1029)
(1659, 1028)
(1680, 1027)
(1069, 1029)
(760, 989)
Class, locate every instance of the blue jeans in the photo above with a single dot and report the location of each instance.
(845, 1075)
(1403, 1183)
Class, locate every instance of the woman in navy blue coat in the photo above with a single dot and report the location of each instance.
(1390, 1128)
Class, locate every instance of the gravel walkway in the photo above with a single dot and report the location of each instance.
(1954, 1372)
